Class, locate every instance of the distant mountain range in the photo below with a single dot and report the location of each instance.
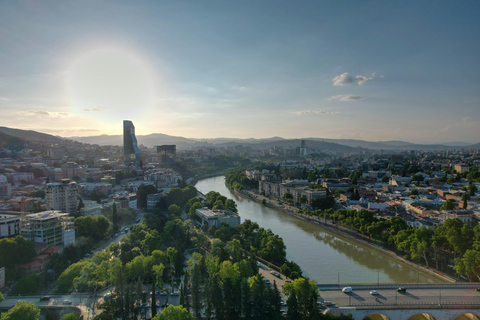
(155, 139)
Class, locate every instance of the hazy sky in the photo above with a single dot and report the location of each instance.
(372, 70)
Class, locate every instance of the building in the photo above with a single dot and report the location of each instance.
(62, 196)
(2, 277)
(296, 188)
(153, 199)
(9, 225)
(22, 177)
(91, 208)
(51, 227)
(462, 167)
(87, 188)
(167, 153)
(464, 215)
(40, 262)
(5, 187)
(72, 170)
(131, 152)
(215, 218)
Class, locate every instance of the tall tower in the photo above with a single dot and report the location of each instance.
(130, 147)
(303, 148)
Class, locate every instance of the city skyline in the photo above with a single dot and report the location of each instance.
(342, 70)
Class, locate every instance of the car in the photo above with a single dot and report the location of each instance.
(401, 289)
(347, 290)
(267, 280)
(283, 303)
(276, 274)
(175, 293)
(163, 293)
(374, 292)
(145, 305)
(67, 302)
(329, 303)
(165, 305)
(45, 298)
(478, 289)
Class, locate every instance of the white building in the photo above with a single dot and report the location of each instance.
(216, 217)
(62, 196)
(9, 225)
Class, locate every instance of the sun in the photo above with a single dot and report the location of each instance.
(113, 80)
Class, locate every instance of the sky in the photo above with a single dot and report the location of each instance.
(370, 70)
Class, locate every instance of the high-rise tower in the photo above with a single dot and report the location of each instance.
(130, 147)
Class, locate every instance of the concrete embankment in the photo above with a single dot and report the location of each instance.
(339, 230)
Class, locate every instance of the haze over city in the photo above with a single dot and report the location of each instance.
(203, 69)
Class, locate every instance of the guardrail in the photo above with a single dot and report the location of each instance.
(333, 287)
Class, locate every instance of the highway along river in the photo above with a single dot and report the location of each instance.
(323, 256)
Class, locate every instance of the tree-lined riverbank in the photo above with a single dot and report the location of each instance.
(322, 254)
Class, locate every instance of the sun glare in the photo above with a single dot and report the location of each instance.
(114, 80)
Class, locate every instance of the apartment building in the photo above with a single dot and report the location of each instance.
(51, 227)
(62, 196)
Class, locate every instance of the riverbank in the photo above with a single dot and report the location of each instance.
(340, 231)
(193, 181)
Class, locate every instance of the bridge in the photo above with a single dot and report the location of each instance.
(418, 301)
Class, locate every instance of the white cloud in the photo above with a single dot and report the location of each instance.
(316, 112)
(362, 79)
(4, 99)
(342, 80)
(41, 113)
(345, 97)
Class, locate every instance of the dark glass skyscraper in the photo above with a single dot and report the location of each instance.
(130, 147)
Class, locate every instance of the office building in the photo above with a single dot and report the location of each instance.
(131, 152)
(167, 153)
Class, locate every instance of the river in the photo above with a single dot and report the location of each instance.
(323, 256)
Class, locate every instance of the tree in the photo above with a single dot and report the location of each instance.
(174, 313)
(142, 194)
(287, 197)
(193, 208)
(175, 210)
(414, 192)
(447, 205)
(472, 188)
(465, 198)
(303, 199)
(385, 179)
(114, 217)
(27, 285)
(306, 294)
(469, 264)
(22, 310)
(72, 316)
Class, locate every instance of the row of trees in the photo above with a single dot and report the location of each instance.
(450, 240)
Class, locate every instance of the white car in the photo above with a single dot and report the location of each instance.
(347, 290)
(374, 292)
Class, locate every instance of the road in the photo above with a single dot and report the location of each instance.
(413, 296)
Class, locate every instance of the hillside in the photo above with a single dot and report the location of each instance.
(30, 135)
(10, 142)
